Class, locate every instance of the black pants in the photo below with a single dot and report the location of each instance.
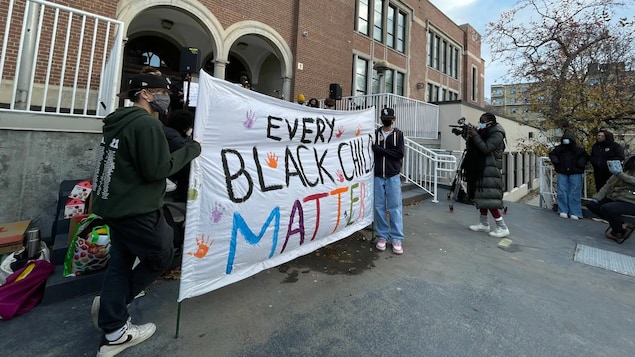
(147, 237)
(611, 211)
(601, 175)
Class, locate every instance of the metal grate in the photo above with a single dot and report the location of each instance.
(604, 259)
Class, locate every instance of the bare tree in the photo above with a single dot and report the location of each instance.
(579, 56)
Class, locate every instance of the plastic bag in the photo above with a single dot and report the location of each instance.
(90, 247)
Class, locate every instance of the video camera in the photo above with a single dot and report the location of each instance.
(462, 129)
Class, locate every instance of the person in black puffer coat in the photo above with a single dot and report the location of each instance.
(482, 167)
(569, 161)
(604, 149)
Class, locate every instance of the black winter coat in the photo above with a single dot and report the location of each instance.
(569, 159)
(601, 152)
(483, 172)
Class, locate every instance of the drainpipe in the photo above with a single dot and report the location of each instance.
(25, 71)
(292, 81)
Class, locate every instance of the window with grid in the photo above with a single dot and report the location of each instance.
(362, 16)
(388, 22)
(443, 55)
(361, 76)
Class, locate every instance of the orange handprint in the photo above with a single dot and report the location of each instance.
(272, 160)
(358, 131)
(203, 247)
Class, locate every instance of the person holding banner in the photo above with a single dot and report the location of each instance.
(389, 151)
(129, 186)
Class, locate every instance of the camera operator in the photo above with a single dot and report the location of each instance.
(482, 171)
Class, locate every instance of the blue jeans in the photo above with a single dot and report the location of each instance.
(569, 194)
(388, 198)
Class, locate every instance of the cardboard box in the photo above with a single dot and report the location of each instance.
(72, 225)
(81, 190)
(74, 207)
(12, 236)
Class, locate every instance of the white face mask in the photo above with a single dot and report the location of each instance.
(566, 141)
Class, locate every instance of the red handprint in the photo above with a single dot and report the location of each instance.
(340, 132)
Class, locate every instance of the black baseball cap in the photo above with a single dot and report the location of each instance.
(145, 81)
(388, 113)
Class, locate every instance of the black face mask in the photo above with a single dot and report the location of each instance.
(387, 122)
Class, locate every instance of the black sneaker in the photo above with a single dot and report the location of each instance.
(134, 335)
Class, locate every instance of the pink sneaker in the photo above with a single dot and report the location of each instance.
(381, 244)
(397, 248)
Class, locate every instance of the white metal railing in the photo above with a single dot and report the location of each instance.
(56, 59)
(415, 118)
(427, 168)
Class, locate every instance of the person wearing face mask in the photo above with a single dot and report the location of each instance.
(128, 190)
(615, 198)
(569, 161)
(389, 150)
(482, 167)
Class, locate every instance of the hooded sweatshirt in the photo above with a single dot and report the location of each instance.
(569, 159)
(606, 150)
(135, 161)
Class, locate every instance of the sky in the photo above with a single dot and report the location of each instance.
(478, 13)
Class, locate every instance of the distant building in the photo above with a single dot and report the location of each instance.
(513, 101)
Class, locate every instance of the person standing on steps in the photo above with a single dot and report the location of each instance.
(389, 151)
(483, 163)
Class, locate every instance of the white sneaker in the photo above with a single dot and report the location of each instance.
(133, 336)
(479, 227)
(564, 215)
(499, 232)
(574, 217)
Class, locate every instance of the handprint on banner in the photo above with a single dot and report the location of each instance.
(272, 160)
(340, 176)
(250, 119)
(217, 212)
(340, 131)
(359, 130)
(192, 192)
(203, 247)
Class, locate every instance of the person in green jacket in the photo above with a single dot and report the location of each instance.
(129, 186)
(616, 197)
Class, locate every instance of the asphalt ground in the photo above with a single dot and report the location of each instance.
(452, 293)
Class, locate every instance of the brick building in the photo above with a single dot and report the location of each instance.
(63, 61)
(285, 47)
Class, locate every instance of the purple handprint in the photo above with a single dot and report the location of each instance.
(217, 213)
(250, 119)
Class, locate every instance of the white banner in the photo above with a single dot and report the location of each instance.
(275, 181)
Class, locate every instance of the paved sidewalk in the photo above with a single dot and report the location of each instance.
(452, 293)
